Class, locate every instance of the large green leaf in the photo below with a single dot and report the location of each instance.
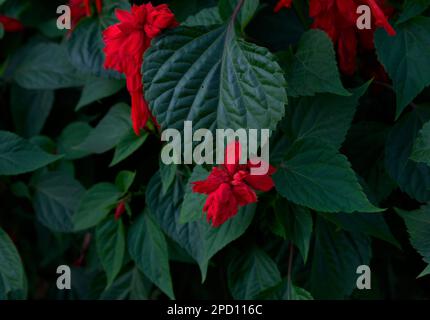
(95, 205)
(12, 275)
(284, 291)
(110, 242)
(293, 223)
(421, 148)
(129, 144)
(418, 225)
(313, 68)
(325, 116)
(214, 78)
(244, 15)
(251, 273)
(110, 131)
(404, 56)
(98, 88)
(148, 248)
(371, 224)
(192, 206)
(412, 178)
(46, 66)
(198, 238)
(20, 156)
(30, 109)
(85, 48)
(71, 137)
(337, 254)
(56, 199)
(412, 8)
(205, 17)
(132, 285)
(315, 175)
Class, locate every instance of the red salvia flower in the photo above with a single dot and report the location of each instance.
(11, 24)
(283, 4)
(338, 18)
(231, 186)
(125, 44)
(82, 8)
(120, 210)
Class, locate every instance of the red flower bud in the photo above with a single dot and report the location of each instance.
(120, 209)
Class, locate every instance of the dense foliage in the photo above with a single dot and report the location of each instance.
(82, 184)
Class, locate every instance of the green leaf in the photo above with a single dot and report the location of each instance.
(110, 242)
(252, 273)
(132, 285)
(325, 116)
(293, 223)
(124, 180)
(213, 78)
(192, 206)
(19, 156)
(313, 69)
(110, 131)
(337, 254)
(85, 48)
(198, 238)
(421, 148)
(404, 56)
(246, 13)
(95, 205)
(129, 144)
(148, 248)
(30, 109)
(418, 225)
(46, 66)
(412, 8)
(167, 175)
(1, 31)
(205, 17)
(285, 292)
(12, 273)
(98, 88)
(371, 224)
(412, 178)
(71, 137)
(314, 175)
(425, 272)
(56, 199)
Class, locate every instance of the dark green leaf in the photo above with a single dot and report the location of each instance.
(205, 17)
(337, 255)
(98, 88)
(19, 156)
(124, 180)
(95, 205)
(110, 241)
(247, 11)
(421, 149)
(110, 131)
(127, 146)
(30, 109)
(148, 248)
(192, 206)
(252, 273)
(213, 78)
(71, 137)
(56, 199)
(404, 56)
(12, 275)
(412, 8)
(316, 176)
(313, 69)
(293, 223)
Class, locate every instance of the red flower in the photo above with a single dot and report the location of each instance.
(82, 8)
(338, 18)
(120, 210)
(11, 24)
(231, 186)
(283, 4)
(125, 44)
